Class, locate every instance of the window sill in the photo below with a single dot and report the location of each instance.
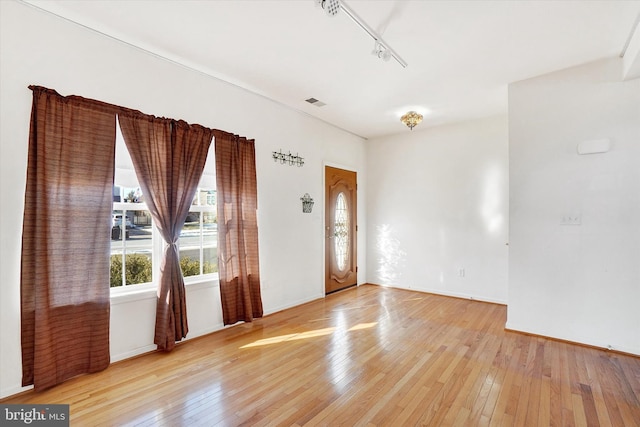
(122, 295)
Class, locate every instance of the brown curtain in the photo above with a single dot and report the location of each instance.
(169, 158)
(237, 228)
(64, 285)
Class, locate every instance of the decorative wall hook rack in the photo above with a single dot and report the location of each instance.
(288, 158)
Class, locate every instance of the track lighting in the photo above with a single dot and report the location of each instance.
(382, 49)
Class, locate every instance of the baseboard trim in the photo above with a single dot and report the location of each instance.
(295, 304)
(568, 341)
(445, 294)
(13, 392)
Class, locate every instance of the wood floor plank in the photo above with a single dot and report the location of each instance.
(369, 356)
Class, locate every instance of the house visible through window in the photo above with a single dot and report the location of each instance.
(135, 242)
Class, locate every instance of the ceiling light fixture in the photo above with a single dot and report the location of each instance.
(411, 119)
(332, 7)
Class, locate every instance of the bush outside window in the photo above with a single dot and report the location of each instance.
(198, 241)
(132, 235)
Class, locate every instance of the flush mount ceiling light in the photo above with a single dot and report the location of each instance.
(382, 49)
(411, 119)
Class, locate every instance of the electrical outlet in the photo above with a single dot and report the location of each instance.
(461, 272)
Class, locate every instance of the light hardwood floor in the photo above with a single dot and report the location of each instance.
(369, 356)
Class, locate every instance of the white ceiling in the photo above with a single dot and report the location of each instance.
(461, 54)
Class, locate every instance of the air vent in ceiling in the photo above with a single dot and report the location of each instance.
(315, 102)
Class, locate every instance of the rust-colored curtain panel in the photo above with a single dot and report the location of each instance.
(65, 239)
(237, 228)
(169, 158)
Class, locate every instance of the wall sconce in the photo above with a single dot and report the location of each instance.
(288, 158)
(307, 203)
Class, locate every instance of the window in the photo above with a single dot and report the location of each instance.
(198, 239)
(136, 245)
(131, 244)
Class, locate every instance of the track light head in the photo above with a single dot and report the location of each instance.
(331, 7)
(381, 51)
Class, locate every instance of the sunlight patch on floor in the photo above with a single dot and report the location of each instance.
(362, 326)
(305, 335)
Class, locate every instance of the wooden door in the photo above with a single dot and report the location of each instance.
(340, 229)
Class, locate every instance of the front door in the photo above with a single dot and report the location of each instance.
(340, 229)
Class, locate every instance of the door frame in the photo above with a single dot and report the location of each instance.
(324, 225)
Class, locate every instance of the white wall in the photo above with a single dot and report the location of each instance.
(38, 48)
(437, 202)
(631, 59)
(576, 282)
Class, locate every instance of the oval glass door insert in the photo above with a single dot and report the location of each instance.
(341, 231)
